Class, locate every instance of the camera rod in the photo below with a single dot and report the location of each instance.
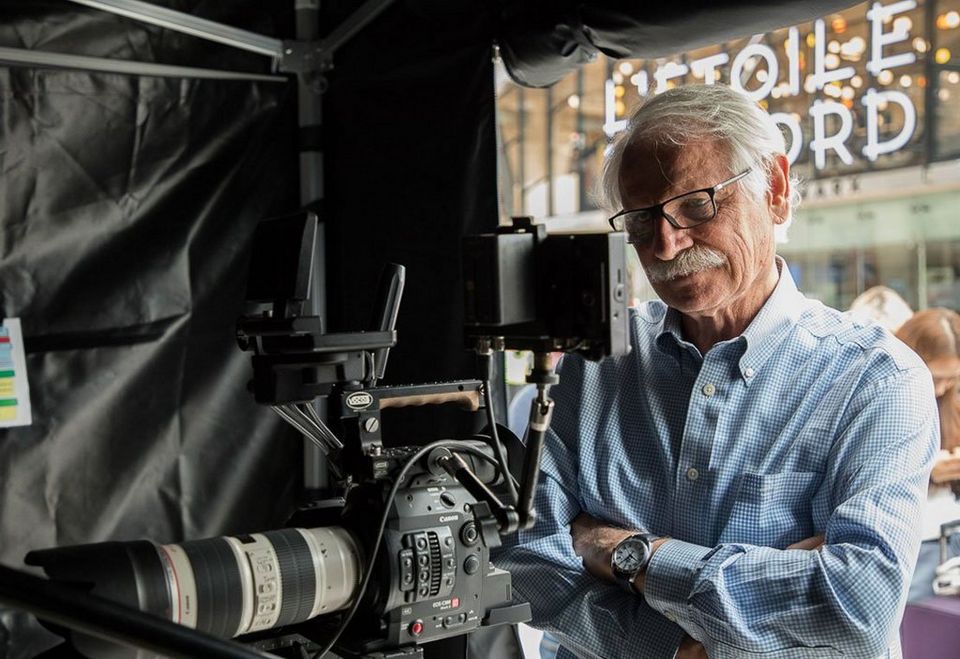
(541, 412)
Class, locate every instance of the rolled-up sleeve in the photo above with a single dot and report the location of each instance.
(846, 598)
(590, 618)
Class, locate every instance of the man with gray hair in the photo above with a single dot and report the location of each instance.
(752, 473)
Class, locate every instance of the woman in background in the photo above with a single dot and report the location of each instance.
(934, 334)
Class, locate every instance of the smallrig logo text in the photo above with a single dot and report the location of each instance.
(359, 400)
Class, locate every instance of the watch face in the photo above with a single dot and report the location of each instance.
(630, 555)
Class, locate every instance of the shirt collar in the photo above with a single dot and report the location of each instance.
(764, 333)
(771, 325)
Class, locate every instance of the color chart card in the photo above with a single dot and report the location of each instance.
(14, 388)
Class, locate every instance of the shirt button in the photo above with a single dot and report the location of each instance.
(709, 390)
(748, 372)
(693, 474)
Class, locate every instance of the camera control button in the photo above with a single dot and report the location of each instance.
(472, 564)
(469, 534)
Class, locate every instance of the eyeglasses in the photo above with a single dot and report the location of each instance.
(682, 212)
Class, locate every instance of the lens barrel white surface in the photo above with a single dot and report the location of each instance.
(229, 586)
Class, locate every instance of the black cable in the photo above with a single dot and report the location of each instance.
(443, 443)
(112, 621)
(487, 361)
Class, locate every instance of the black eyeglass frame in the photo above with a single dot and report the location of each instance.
(658, 209)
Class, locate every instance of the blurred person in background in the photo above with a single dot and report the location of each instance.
(934, 334)
(882, 305)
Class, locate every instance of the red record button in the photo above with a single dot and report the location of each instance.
(455, 602)
(416, 628)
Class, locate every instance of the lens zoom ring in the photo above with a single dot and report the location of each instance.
(219, 589)
(297, 577)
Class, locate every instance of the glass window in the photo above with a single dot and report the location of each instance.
(850, 112)
(942, 274)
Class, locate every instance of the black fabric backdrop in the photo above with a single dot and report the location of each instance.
(126, 209)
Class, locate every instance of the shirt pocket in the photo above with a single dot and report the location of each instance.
(772, 510)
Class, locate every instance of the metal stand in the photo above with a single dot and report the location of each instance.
(308, 57)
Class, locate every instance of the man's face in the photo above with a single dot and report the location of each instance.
(740, 236)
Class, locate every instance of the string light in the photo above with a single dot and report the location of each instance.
(948, 21)
(626, 68)
(942, 56)
(902, 24)
(885, 77)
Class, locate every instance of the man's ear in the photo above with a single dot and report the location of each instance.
(778, 188)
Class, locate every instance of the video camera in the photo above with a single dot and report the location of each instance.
(403, 556)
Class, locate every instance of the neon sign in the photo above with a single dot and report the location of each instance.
(826, 73)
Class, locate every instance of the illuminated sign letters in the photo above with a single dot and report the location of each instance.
(832, 121)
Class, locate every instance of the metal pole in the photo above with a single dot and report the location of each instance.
(549, 150)
(310, 119)
(50, 60)
(188, 24)
(922, 292)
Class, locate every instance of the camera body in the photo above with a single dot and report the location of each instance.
(432, 577)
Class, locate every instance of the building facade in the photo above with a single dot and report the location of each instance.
(869, 102)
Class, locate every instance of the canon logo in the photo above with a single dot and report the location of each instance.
(358, 400)
(449, 518)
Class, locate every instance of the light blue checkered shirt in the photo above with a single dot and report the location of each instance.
(806, 424)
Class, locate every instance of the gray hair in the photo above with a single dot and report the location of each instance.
(695, 112)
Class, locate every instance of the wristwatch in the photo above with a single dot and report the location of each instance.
(630, 558)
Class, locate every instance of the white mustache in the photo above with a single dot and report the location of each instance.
(691, 260)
